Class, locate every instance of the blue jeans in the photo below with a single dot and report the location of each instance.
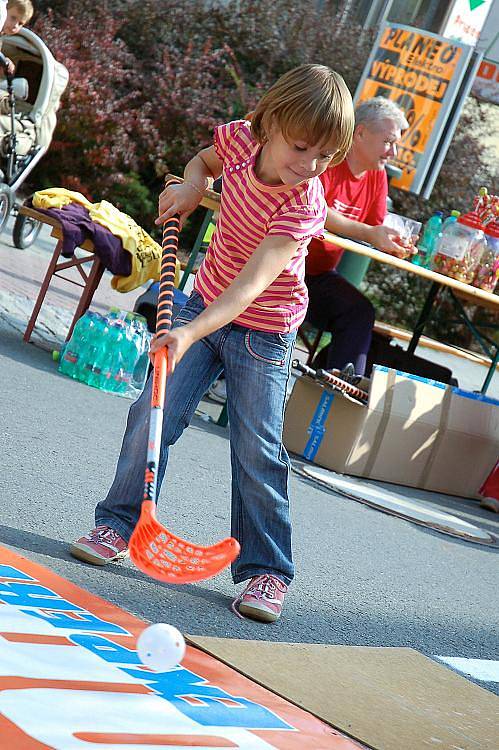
(257, 369)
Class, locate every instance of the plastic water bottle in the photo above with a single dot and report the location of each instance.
(90, 347)
(107, 367)
(68, 361)
(141, 369)
(87, 346)
(95, 376)
(114, 366)
(431, 233)
(454, 216)
(114, 313)
(126, 354)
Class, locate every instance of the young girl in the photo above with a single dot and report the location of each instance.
(249, 299)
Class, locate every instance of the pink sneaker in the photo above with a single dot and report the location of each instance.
(262, 599)
(101, 546)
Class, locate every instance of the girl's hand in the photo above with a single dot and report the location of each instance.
(177, 198)
(176, 341)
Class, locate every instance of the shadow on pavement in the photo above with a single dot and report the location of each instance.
(16, 349)
(27, 541)
(471, 513)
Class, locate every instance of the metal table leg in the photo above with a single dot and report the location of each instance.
(423, 317)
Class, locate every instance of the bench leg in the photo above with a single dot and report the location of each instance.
(43, 291)
(91, 285)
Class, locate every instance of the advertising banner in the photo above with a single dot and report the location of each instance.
(466, 20)
(486, 83)
(422, 72)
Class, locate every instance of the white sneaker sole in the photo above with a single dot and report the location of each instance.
(81, 552)
(258, 613)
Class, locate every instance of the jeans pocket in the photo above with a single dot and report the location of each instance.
(269, 347)
(192, 308)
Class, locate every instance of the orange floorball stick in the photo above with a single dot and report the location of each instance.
(153, 548)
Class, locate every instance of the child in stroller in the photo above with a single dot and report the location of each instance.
(33, 94)
(14, 15)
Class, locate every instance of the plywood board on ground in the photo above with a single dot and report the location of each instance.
(387, 698)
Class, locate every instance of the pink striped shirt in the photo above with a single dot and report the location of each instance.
(249, 211)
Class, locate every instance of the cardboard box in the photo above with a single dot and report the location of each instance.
(413, 431)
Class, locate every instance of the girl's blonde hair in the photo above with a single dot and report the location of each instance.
(310, 102)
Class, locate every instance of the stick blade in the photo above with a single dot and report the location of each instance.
(161, 555)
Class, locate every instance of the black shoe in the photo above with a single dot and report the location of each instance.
(349, 375)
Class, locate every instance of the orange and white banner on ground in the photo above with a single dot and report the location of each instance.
(70, 679)
(421, 72)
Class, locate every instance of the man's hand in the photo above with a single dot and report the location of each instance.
(176, 341)
(389, 241)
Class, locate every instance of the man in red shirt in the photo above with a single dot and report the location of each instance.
(356, 191)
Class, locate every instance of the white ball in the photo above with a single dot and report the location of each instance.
(161, 647)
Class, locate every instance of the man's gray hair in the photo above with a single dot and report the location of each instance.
(378, 108)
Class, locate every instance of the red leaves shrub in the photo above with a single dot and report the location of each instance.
(148, 84)
(93, 146)
(190, 93)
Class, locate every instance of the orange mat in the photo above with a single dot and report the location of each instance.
(70, 678)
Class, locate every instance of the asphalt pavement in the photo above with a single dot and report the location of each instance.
(363, 578)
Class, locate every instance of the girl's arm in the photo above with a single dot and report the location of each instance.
(183, 198)
(263, 267)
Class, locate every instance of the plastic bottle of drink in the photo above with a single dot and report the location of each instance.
(91, 347)
(454, 216)
(141, 368)
(431, 233)
(114, 313)
(95, 376)
(68, 362)
(113, 368)
(126, 355)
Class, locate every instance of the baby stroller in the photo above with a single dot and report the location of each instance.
(27, 121)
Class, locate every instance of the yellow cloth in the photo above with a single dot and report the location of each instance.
(58, 197)
(145, 252)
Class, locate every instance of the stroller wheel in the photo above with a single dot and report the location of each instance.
(25, 231)
(5, 205)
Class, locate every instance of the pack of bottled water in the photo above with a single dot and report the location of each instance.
(109, 352)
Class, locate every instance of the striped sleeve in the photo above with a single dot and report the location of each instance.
(223, 139)
(299, 222)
